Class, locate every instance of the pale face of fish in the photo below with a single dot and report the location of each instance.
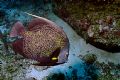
(63, 56)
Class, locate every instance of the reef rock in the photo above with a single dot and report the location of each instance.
(90, 58)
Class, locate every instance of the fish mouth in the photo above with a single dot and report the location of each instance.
(65, 59)
(64, 53)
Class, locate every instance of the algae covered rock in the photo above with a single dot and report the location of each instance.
(98, 25)
(90, 58)
(55, 76)
(2, 16)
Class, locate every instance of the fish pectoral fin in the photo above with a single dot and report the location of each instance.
(53, 59)
(55, 54)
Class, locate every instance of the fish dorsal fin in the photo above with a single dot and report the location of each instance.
(17, 29)
(55, 54)
(36, 23)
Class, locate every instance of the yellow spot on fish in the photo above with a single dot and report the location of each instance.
(54, 58)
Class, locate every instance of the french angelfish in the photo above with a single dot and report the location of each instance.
(42, 41)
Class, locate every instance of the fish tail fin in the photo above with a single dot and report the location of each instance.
(17, 29)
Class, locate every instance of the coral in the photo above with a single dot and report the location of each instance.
(108, 71)
(74, 75)
(2, 16)
(96, 24)
(89, 58)
(55, 76)
(12, 66)
(11, 69)
(100, 2)
(31, 78)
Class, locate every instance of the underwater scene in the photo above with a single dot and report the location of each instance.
(59, 39)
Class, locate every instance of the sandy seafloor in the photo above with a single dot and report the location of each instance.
(78, 48)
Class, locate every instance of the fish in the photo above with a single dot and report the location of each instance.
(42, 40)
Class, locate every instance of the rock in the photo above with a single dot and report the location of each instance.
(55, 76)
(84, 24)
(30, 78)
(89, 58)
(70, 67)
(2, 16)
(90, 32)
